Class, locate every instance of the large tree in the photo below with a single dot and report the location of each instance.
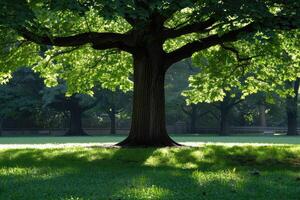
(156, 33)
(112, 104)
(75, 105)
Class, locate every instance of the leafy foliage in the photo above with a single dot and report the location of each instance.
(246, 67)
(82, 67)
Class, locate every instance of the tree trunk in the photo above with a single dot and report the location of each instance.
(75, 128)
(224, 124)
(292, 121)
(292, 110)
(148, 118)
(262, 115)
(112, 116)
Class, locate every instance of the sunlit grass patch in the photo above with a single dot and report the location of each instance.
(141, 188)
(183, 158)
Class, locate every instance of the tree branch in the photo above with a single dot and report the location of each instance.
(276, 22)
(191, 28)
(99, 41)
(237, 53)
(188, 49)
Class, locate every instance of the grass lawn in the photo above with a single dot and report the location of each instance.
(188, 173)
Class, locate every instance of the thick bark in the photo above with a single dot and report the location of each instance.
(292, 110)
(148, 117)
(75, 128)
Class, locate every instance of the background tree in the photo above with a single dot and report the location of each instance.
(292, 107)
(194, 112)
(225, 107)
(112, 103)
(75, 105)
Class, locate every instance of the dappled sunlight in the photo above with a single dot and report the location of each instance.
(56, 157)
(140, 187)
(209, 157)
(215, 157)
(42, 173)
(264, 155)
(230, 178)
(185, 158)
(145, 192)
(207, 172)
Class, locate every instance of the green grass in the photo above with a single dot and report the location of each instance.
(179, 138)
(207, 172)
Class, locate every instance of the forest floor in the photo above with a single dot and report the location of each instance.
(224, 171)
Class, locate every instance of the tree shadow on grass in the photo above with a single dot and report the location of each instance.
(179, 173)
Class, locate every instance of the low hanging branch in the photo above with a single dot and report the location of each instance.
(99, 41)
